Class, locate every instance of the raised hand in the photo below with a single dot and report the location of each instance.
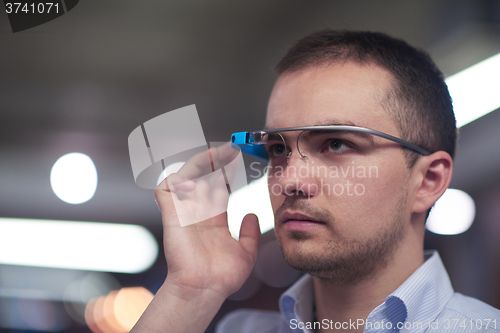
(205, 263)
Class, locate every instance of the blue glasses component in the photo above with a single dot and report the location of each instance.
(249, 143)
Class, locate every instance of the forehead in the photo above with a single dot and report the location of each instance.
(346, 93)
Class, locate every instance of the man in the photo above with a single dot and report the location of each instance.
(362, 247)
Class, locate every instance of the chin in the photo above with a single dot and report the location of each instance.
(304, 253)
(342, 262)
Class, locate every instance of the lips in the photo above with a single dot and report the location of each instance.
(298, 217)
(297, 223)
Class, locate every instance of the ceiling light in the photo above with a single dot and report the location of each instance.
(92, 246)
(475, 90)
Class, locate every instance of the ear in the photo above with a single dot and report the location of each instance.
(432, 175)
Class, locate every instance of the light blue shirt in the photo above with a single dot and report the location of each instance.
(425, 302)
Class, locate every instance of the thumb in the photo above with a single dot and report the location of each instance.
(250, 235)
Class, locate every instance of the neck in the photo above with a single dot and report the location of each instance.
(349, 303)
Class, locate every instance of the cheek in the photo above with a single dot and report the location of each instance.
(274, 193)
(371, 203)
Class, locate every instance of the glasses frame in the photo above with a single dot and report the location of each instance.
(250, 142)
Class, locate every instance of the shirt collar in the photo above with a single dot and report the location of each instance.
(425, 293)
(298, 301)
(418, 300)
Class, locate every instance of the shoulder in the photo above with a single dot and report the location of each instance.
(249, 321)
(473, 313)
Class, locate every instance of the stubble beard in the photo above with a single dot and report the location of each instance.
(348, 261)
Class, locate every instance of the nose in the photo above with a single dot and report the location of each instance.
(297, 177)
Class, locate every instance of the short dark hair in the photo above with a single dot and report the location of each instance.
(420, 102)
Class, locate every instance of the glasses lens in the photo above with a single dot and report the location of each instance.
(275, 146)
(333, 146)
(324, 146)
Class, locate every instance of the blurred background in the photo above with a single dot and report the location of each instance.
(83, 82)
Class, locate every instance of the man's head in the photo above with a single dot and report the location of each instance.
(367, 195)
(418, 101)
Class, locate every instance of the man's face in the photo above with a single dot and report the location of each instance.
(361, 213)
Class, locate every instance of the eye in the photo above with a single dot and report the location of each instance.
(277, 150)
(337, 146)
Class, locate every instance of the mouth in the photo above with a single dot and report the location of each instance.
(298, 217)
(298, 222)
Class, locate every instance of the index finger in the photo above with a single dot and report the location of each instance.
(208, 161)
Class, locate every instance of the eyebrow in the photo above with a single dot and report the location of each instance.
(274, 136)
(323, 123)
(311, 133)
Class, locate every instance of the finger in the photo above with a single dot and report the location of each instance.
(219, 195)
(185, 187)
(202, 191)
(220, 190)
(234, 169)
(223, 155)
(197, 166)
(207, 161)
(176, 182)
(165, 201)
(250, 235)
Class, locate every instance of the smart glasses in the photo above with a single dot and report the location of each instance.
(269, 145)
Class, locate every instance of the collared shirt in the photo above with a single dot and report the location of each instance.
(425, 302)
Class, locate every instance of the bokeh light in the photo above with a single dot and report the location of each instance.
(81, 291)
(42, 315)
(172, 168)
(118, 311)
(452, 214)
(271, 267)
(251, 286)
(253, 198)
(74, 178)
